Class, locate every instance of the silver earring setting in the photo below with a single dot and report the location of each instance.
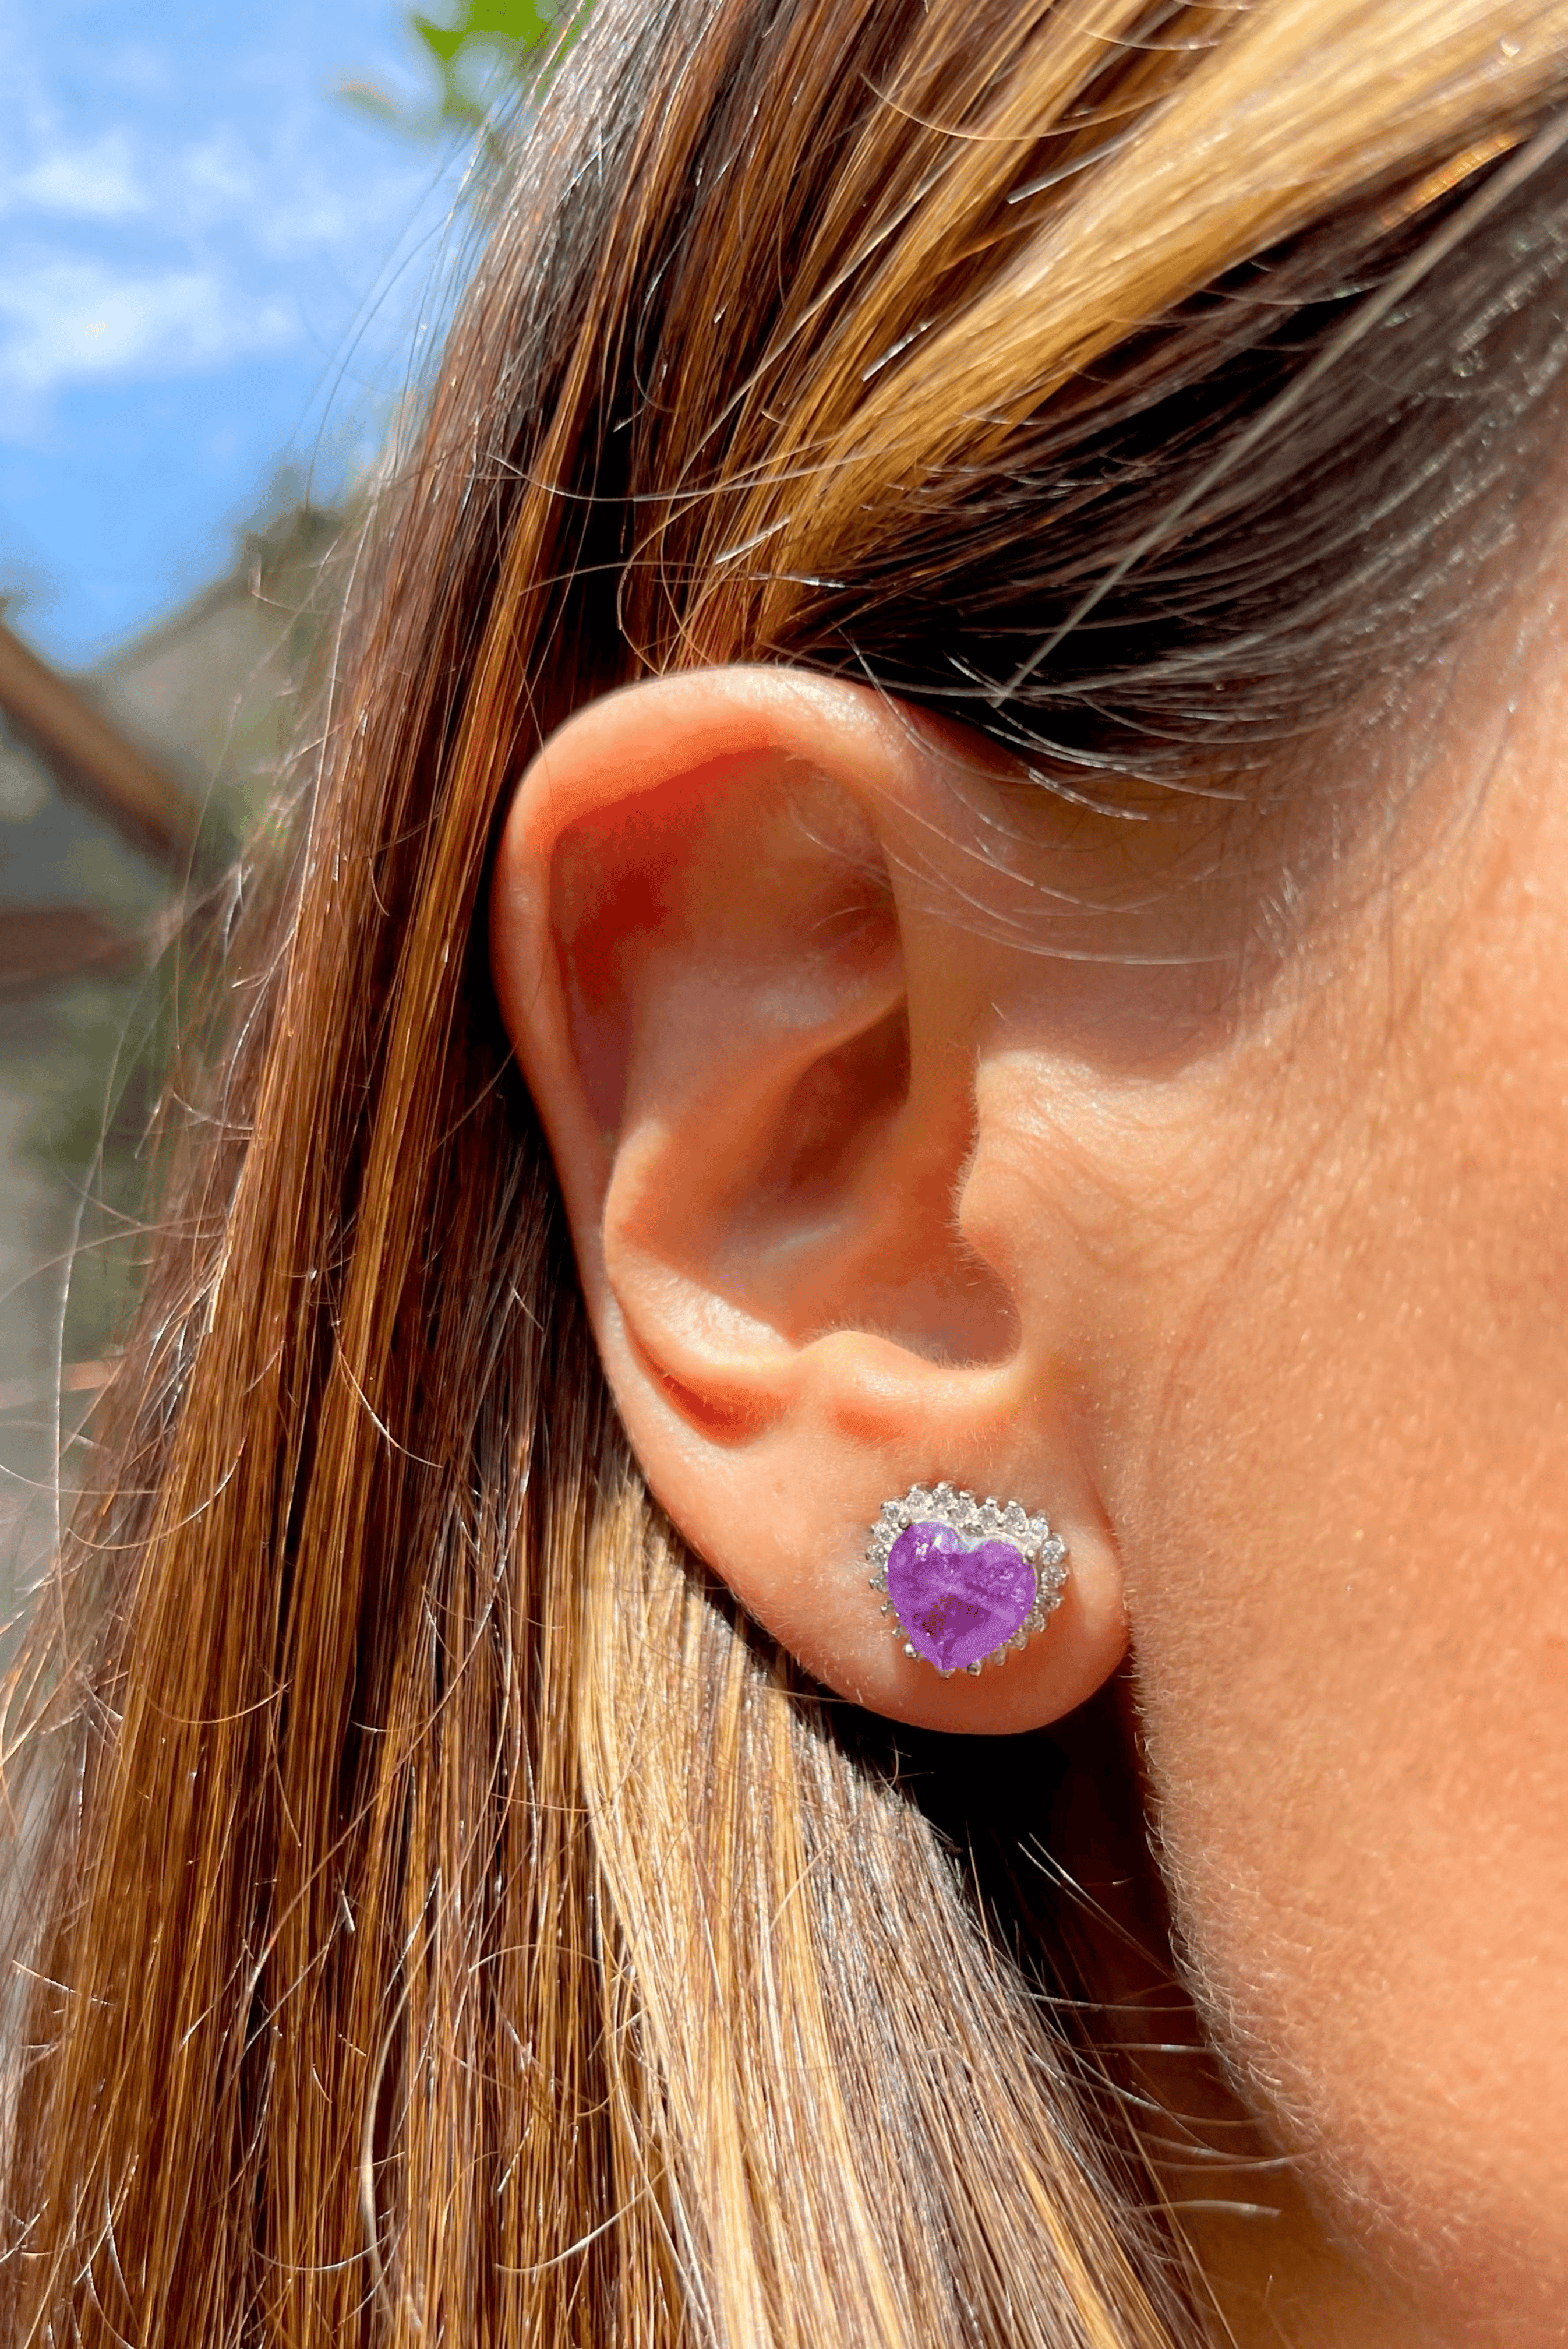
(964, 1581)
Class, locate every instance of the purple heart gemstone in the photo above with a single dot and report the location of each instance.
(957, 1604)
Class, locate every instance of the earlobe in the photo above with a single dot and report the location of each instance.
(755, 1053)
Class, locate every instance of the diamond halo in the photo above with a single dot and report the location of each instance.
(974, 1522)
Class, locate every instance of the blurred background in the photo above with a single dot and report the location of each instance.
(228, 235)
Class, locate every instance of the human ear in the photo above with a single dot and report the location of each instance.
(758, 1036)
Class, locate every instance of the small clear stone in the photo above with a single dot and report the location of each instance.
(1054, 1551)
(975, 1668)
(944, 1493)
(1020, 1637)
(916, 1500)
(1015, 1523)
(909, 1647)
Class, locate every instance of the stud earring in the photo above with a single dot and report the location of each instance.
(964, 1581)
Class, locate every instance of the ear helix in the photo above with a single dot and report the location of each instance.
(964, 1582)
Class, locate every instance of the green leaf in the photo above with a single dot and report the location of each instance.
(436, 37)
(520, 37)
(515, 20)
(521, 23)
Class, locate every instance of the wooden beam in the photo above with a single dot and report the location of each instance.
(38, 943)
(75, 1378)
(90, 757)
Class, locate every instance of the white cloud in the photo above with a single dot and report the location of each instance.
(66, 321)
(94, 183)
(222, 168)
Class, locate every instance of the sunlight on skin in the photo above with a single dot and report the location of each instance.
(1260, 1252)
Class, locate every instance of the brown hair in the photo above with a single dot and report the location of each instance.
(438, 1916)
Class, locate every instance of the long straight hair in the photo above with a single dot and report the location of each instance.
(436, 1916)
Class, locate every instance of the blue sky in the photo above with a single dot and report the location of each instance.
(214, 267)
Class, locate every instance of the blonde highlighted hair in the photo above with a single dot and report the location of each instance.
(438, 1917)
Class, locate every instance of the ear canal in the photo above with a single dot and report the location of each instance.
(838, 1115)
(857, 1210)
(856, 1217)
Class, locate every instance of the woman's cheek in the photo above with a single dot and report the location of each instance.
(1342, 1498)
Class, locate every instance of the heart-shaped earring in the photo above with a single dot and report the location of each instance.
(965, 1581)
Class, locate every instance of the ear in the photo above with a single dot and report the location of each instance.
(760, 1038)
